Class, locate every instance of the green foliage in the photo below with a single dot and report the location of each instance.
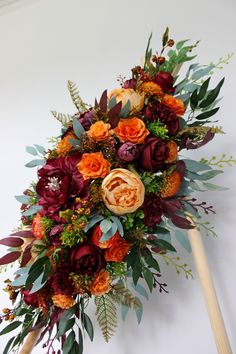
(71, 238)
(77, 100)
(122, 295)
(153, 183)
(117, 269)
(158, 129)
(64, 119)
(106, 315)
(179, 267)
(219, 162)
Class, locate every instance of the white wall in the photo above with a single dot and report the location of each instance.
(44, 43)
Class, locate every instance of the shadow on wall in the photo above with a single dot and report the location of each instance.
(7, 6)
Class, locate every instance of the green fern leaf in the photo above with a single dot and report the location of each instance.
(106, 315)
(77, 100)
(121, 295)
(65, 119)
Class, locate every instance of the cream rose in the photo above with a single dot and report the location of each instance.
(122, 191)
(136, 99)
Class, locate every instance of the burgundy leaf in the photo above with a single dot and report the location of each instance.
(12, 241)
(103, 102)
(113, 114)
(181, 222)
(26, 256)
(9, 258)
(41, 324)
(188, 144)
(24, 234)
(180, 167)
(170, 206)
(46, 329)
(96, 105)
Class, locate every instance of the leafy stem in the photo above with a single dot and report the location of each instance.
(175, 262)
(219, 162)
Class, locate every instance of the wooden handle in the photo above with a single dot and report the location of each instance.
(30, 342)
(215, 315)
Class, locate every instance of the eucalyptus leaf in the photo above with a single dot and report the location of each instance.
(112, 102)
(147, 274)
(88, 325)
(38, 284)
(125, 111)
(139, 310)
(105, 225)
(207, 114)
(10, 327)
(204, 176)
(196, 166)
(180, 44)
(201, 73)
(111, 232)
(31, 150)
(212, 95)
(214, 187)
(64, 326)
(68, 344)
(35, 163)
(116, 220)
(7, 347)
(124, 311)
(78, 128)
(182, 238)
(23, 199)
(140, 289)
(40, 148)
(93, 221)
(32, 210)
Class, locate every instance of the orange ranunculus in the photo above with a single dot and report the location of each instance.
(101, 283)
(131, 129)
(124, 95)
(151, 88)
(172, 184)
(99, 131)
(118, 251)
(122, 191)
(63, 301)
(173, 151)
(93, 165)
(64, 146)
(97, 234)
(176, 104)
(37, 227)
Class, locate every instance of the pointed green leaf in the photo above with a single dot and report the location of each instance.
(88, 326)
(212, 95)
(147, 274)
(10, 327)
(69, 343)
(183, 240)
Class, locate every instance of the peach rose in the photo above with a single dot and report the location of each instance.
(97, 234)
(118, 251)
(176, 104)
(38, 228)
(99, 131)
(131, 129)
(101, 283)
(136, 99)
(122, 191)
(93, 165)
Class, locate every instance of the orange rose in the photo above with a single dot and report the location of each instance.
(93, 165)
(124, 95)
(101, 283)
(37, 227)
(175, 104)
(97, 234)
(131, 129)
(122, 191)
(118, 251)
(99, 131)
(151, 88)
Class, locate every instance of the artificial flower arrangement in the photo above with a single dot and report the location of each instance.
(112, 194)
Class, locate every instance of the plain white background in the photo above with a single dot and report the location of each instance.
(46, 42)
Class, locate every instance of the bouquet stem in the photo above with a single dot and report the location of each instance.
(30, 342)
(214, 312)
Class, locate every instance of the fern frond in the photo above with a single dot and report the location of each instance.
(65, 119)
(121, 295)
(77, 100)
(106, 315)
(200, 130)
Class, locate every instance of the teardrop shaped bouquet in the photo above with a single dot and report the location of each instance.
(112, 193)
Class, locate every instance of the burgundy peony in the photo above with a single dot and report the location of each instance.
(159, 111)
(86, 119)
(61, 283)
(153, 154)
(59, 183)
(153, 210)
(128, 151)
(30, 299)
(86, 259)
(130, 84)
(165, 80)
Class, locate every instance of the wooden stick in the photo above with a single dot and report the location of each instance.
(30, 342)
(214, 312)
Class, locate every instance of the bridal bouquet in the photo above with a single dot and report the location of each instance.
(112, 197)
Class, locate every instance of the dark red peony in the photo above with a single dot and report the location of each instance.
(86, 259)
(153, 210)
(153, 154)
(59, 183)
(159, 111)
(30, 299)
(130, 84)
(61, 283)
(165, 80)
